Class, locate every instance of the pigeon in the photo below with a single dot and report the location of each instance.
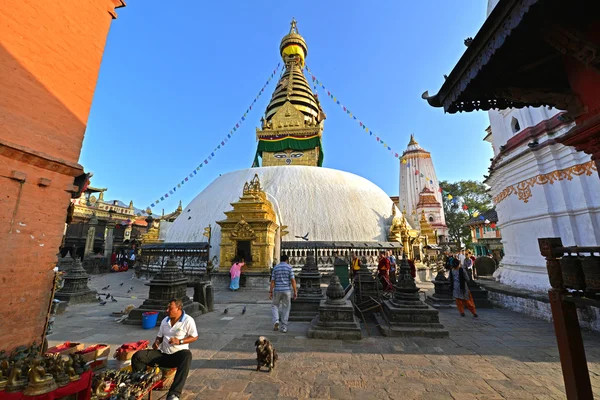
(129, 291)
(113, 299)
(226, 311)
(244, 310)
(99, 298)
(121, 284)
(102, 303)
(105, 287)
(107, 296)
(305, 237)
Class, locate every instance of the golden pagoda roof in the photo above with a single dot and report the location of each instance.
(412, 140)
(292, 85)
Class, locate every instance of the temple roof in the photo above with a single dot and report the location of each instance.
(413, 146)
(293, 85)
(527, 38)
(427, 198)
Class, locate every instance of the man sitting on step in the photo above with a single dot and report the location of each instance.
(171, 348)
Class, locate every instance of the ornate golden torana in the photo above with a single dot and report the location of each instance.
(250, 226)
(291, 129)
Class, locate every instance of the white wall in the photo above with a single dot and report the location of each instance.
(569, 209)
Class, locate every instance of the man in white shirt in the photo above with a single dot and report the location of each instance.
(461, 257)
(171, 347)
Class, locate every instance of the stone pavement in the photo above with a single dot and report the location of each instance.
(500, 355)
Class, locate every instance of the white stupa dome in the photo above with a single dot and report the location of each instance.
(328, 204)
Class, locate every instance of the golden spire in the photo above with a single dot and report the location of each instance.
(180, 207)
(292, 85)
(412, 140)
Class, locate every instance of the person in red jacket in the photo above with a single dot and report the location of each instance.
(383, 270)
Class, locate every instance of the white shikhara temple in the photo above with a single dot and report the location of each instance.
(419, 189)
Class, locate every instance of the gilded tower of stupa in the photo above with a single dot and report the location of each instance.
(292, 126)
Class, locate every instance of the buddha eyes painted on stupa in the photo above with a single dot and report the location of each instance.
(288, 156)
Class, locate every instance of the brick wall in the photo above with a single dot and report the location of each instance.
(50, 55)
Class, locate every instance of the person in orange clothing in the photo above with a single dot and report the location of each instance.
(383, 270)
(460, 291)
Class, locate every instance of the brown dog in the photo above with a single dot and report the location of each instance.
(265, 354)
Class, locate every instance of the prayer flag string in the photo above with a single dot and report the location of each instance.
(318, 84)
(220, 144)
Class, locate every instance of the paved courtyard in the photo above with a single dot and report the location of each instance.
(501, 355)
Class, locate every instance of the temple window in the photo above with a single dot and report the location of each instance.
(430, 219)
(514, 124)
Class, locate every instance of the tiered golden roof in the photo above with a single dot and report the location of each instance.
(292, 85)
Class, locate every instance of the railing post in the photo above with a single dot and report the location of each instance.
(566, 326)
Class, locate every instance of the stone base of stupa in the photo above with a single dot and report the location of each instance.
(440, 302)
(84, 296)
(410, 318)
(248, 280)
(335, 321)
(305, 308)
(135, 316)
(480, 295)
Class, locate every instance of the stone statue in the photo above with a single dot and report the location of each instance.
(39, 381)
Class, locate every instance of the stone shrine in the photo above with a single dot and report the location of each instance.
(65, 263)
(442, 298)
(75, 288)
(336, 319)
(406, 314)
(310, 294)
(480, 295)
(364, 282)
(168, 284)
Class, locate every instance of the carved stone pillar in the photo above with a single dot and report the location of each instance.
(91, 234)
(108, 240)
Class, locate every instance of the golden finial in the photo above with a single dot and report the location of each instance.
(180, 207)
(293, 27)
(412, 140)
(131, 205)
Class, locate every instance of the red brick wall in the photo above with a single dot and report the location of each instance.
(50, 55)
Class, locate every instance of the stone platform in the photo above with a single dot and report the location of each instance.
(409, 321)
(500, 355)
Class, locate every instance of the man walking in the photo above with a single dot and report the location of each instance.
(282, 283)
(171, 348)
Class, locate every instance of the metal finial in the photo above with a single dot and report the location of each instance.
(293, 27)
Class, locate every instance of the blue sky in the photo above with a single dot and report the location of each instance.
(176, 77)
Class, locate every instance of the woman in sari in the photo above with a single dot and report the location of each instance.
(236, 272)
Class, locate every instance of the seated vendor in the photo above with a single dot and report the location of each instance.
(171, 347)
